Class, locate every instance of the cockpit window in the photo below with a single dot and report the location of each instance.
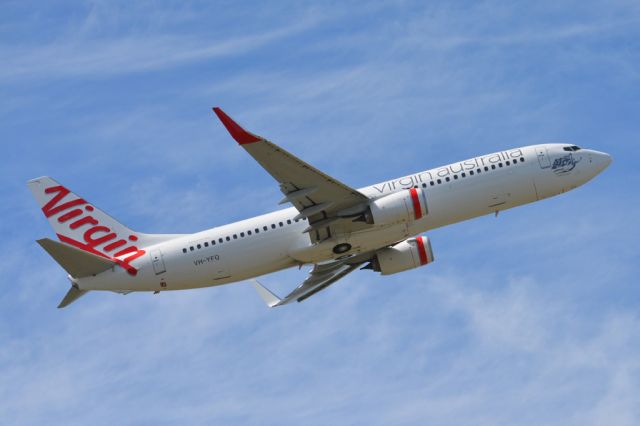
(572, 148)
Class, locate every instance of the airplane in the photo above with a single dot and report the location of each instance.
(331, 226)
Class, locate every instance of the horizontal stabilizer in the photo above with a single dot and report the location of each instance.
(269, 298)
(76, 262)
(72, 295)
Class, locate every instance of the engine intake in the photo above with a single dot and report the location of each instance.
(402, 206)
(408, 254)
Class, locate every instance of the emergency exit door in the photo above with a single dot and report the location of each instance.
(158, 262)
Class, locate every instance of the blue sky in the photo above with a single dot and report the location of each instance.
(531, 318)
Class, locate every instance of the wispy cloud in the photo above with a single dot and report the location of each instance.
(78, 57)
(472, 354)
(530, 318)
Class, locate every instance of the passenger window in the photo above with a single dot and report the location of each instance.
(432, 183)
(184, 250)
(499, 164)
(296, 220)
(257, 231)
(235, 236)
(199, 246)
(220, 240)
(273, 226)
(248, 232)
(447, 179)
(424, 185)
(191, 248)
(486, 169)
(281, 224)
(228, 238)
(242, 234)
(493, 166)
(213, 242)
(439, 181)
(288, 221)
(515, 160)
(455, 177)
(471, 173)
(464, 175)
(508, 163)
(264, 228)
(206, 243)
(522, 159)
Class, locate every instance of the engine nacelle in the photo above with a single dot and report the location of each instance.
(402, 206)
(408, 254)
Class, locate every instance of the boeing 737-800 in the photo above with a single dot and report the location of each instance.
(331, 226)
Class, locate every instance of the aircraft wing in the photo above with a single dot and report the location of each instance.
(317, 196)
(321, 276)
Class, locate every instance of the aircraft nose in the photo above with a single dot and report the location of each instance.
(600, 160)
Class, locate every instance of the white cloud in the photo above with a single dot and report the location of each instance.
(78, 57)
(440, 347)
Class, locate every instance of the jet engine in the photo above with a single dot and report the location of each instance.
(408, 254)
(402, 206)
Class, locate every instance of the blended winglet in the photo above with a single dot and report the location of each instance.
(269, 298)
(235, 130)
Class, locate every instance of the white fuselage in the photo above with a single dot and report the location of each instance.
(275, 241)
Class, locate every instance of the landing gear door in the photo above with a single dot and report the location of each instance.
(543, 157)
(158, 262)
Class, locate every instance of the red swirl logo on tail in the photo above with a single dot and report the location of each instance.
(77, 214)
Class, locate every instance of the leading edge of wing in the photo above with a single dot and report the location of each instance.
(235, 130)
(323, 197)
(321, 277)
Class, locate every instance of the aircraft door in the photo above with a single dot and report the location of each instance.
(158, 262)
(543, 157)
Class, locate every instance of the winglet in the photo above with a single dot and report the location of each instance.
(269, 298)
(235, 130)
